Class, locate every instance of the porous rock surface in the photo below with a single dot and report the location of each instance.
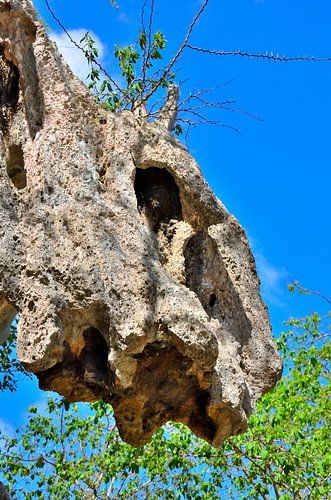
(132, 281)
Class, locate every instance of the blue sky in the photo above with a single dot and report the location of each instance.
(274, 176)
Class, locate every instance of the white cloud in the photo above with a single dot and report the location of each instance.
(124, 18)
(72, 55)
(273, 279)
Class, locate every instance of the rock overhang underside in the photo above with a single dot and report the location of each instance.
(132, 282)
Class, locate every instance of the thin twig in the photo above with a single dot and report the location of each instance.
(306, 291)
(204, 121)
(178, 53)
(147, 50)
(257, 55)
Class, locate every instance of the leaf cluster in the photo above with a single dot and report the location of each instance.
(135, 62)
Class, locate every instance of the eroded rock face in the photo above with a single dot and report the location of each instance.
(132, 281)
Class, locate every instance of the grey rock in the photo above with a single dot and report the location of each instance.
(132, 281)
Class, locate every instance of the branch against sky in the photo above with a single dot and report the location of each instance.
(173, 61)
(142, 88)
(259, 55)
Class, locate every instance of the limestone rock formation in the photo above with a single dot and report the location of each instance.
(132, 281)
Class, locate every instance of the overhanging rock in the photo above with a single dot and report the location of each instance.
(132, 281)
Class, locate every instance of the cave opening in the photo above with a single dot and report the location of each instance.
(94, 358)
(83, 377)
(15, 166)
(157, 196)
(208, 278)
(9, 88)
(212, 300)
(204, 271)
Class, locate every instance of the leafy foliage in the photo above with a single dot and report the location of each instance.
(135, 62)
(75, 451)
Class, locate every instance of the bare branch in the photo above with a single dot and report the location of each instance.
(269, 56)
(194, 105)
(242, 112)
(147, 50)
(178, 53)
(306, 291)
(203, 120)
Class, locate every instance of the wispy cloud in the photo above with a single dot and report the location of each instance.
(273, 279)
(124, 18)
(73, 56)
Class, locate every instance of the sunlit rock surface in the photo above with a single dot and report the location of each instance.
(133, 282)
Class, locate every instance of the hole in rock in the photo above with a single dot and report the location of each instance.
(203, 268)
(83, 377)
(31, 305)
(212, 300)
(94, 357)
(157, 196)
(207, 276)
(164, 388)
(15, 167)
(9, 88)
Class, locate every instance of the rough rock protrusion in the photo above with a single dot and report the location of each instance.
(132, 281)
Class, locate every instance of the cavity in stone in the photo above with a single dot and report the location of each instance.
(157, 196)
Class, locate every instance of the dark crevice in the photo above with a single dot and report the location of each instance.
(31, 305)
(157, 196)
(15, 167)
(9, 90)
(212, 300)
(94, 358)
(203, 268)
(85, 377)
(207, 276)
(164, 388)
(12, 82)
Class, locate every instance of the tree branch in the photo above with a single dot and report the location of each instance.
(147, 50)
(178, 53)
(257, 55)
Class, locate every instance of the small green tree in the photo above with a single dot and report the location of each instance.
(75, 451)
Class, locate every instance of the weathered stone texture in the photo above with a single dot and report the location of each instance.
(133, 282)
